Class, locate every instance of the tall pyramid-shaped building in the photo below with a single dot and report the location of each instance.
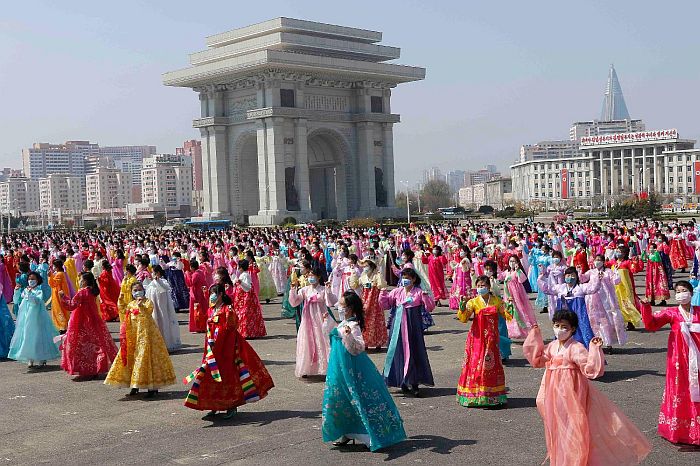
(614, 107)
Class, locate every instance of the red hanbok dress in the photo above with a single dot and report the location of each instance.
(231, 373)
(248, 309)
(656, 281)
(88, 348)
(109, 296)
(482, 382)
(436, 274)
(198, 301)
(678, 253)
(679, 418)
(375, 332)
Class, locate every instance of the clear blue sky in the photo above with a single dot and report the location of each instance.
(499, 74)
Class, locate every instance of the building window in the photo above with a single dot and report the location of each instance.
(580, 174)
(287, 98)
(580, 193)
(689, 168)
(588, 193)
(679, 168)
(690, 190)
(680, 157)
(670, 179)
(670, 190)
(690, 179)
(549, 185)
(377, 104)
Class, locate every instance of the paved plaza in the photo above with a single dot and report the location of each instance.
(46, 417)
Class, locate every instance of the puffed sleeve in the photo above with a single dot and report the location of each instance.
(296, 296)
(331, 299)
(533, 348)
(544, 286)
(353, 341)
(387, 300)
(592, 286)
(591, 362)
(654, 321)
(428, 301)
(245, 282)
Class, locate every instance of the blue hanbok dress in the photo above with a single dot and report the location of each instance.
(7, 328)
(178, 289)
(356, 402)
(35, 333)
(534, 273)
(577, 305)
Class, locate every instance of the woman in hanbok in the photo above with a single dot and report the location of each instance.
(125, 288)
(247, 305)
(524, 316)
(436, 273)
(159, 293)
(231, 373)
(534, 259)
(174, 273)
(656, 286)
(603, 309)
(109, 293)
(582, 426)
(482, 382)
(278, 270)
(143, 361)
(374, 328)
(408, 261)
(88, 348)
(677, 254)
(313, 347)
(625, 291)
(461, 279)
(117, 264)
(7, 325)
(555, 274)
(497, 289)
(198, 302)
(59, 281)
(33, 340)
(680, 404)
(407, 365)
(356, 403)
(571, 295)
(267, 291)
(297, 278)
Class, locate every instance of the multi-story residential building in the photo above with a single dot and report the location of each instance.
(43, 159)
(61, 192)
(455, 179)
(19, 195)
(108, 188)
(129, 158)
(167, 183)
(193, 148)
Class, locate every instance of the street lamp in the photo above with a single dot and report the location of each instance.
(605, 200)
(408, 203)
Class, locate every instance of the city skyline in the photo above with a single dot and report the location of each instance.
(520, 89)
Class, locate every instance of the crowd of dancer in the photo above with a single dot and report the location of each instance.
(338, 284)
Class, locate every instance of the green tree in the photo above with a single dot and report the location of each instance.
(435, 194)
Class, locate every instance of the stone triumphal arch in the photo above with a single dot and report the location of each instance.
(296, 121)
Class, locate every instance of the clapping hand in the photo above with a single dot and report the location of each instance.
(597, 341)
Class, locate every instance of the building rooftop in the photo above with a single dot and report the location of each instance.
(297, 45)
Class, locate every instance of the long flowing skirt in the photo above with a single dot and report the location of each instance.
(417, 371)
(656, 282)
(677, 254)
(169, 327)
(180, 292)
(356, 402)
(461, 287)
(313, 347)
(250, 317)
(244, 379)
(34, 335)
(7, 328)
(267, 285)
(503, 341)
(88, 348)
(627, 298)
(374, 334)
(279, 275)
(482, 382)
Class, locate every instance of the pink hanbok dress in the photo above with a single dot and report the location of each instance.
(582, 426)
(515, 294)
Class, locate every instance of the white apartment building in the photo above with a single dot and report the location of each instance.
(43, 159)
(548, 150)
(167, 182)
(59, 192)
(19, 196)
(613, 166)
(582, 129)
(129, 158)
(495, 193)
(107, 188)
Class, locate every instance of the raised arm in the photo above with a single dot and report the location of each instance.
(591, 362)
(296, 296)
(533, 348)
(652, 321)
(592, 286)
(352, 339)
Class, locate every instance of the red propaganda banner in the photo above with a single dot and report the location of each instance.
(696, 177)
(564, 184)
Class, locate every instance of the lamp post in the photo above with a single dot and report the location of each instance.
(605, 199)
(408, 203)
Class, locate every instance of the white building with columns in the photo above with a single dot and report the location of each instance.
(296, 121)
(613, 166)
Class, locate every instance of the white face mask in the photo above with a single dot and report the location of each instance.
(561, 334)
(683, 297)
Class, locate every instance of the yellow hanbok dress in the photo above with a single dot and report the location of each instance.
(59, 312)
(71, 271)
(143, 360)
(125, 294)
(627, 298)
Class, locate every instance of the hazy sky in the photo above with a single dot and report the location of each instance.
(499, 74)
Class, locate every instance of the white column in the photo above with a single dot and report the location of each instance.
(667, 184)
(389, 164)
(215, 166)
(635, 175)
(623, 173)
(263, 184)
(341, 198)
(613, 176)
(275, 164)
(365, 154)
(658, 185)
(645, 175)
(302, 165)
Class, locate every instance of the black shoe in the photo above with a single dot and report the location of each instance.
(415, 392)
(630, 326)
(662, 303)
(344, 441)
(134, 391)
(405, 389)
(151, 393)
(652, 302)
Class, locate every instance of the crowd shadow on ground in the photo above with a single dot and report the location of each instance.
(262, 418)
(434, 443)
(618, 376)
